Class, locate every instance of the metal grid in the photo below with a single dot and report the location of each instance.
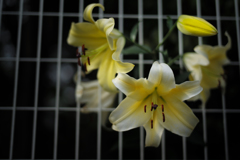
(140, 61)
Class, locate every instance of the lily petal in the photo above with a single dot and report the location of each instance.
(167, 80)
(215, 54)
(130, 114)
(86, 34)
(87, 15)
(143, 88)
(205, 94)
(153, 135)
(121, 66)
(193, 63)
(186, 90)
(108, 65)
(106, 26)
(179, 117)
(124, 83)
(154, 74)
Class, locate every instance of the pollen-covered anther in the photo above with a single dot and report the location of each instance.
(163, 117)
(151, 124)
(162, 108)
(154, 106)
(145, 108)
(88, 60)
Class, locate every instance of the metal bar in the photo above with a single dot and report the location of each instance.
(141, 68)
(237, 27)
(1, 4)
(78, 107)
(58, 78)
(120, 95)
(16, 78)
(198, 4)
(180, 50)
(161, 60)
(73, 60)
(100, 15)
(222, 93)
(160, 29)
(37, 77)
(145, 16)
(50, 108)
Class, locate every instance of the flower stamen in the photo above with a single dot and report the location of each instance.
(88, 60)
(151, 124)
(85, 67)
(83, 49)
(163, 113)
(145, 108)
(79, 62)
(163, 117)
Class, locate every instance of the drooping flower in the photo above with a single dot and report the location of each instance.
(206, 66)
(195, 26)
(100, 47)
(155, 103)
(87, 93)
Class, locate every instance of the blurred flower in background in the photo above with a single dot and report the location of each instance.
(87, 93)
(206, 65)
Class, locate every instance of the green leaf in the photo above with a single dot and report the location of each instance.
(169, 22)
(182, 77)
(133, 33)
(136, 49)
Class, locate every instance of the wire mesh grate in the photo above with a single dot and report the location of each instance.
(39, 118)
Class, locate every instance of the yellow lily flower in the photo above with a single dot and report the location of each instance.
(195, 26)
(87, 93)
(101, 46)
(155, 103)
(206, 66)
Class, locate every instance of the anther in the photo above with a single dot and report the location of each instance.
(154, 106)
(162, 108)
(163, 117)
(85, 67)
(145, 108)
(88, 60)
(79, 62)
(152, 124)
(83, 50)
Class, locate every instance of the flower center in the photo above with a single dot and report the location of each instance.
(84, 55)
(154, 106)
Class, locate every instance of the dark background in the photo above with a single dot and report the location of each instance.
(88, 122)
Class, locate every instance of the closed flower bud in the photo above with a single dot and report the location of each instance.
(195, 26)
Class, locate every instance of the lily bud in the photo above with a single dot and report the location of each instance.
(195, 26)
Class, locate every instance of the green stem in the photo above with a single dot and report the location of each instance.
(174, 59)
(137, 44)
(167, 35)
